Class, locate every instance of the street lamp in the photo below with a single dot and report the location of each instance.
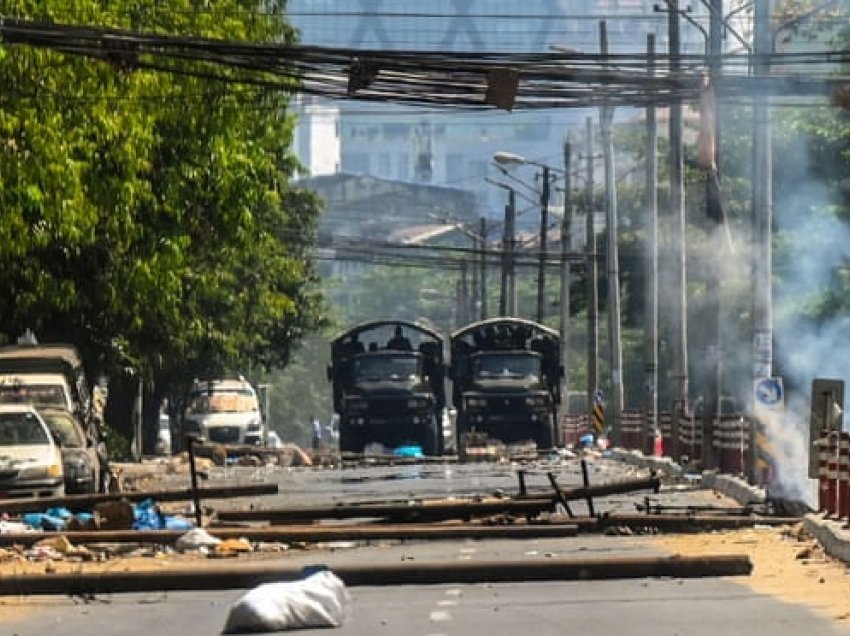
(509, 158)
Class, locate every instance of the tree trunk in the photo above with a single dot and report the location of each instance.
(119, 405)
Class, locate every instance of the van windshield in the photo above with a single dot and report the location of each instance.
(223, 401)
(35, 394)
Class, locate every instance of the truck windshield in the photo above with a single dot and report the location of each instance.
(397, 367)
(506, 365)
(35, 394)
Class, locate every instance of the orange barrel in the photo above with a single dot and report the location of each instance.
(844, 477)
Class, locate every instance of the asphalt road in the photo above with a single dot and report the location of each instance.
(657, 606)
(654, 606)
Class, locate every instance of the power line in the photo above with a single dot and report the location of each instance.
(423, 77)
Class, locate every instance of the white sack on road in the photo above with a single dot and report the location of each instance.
(320, 600)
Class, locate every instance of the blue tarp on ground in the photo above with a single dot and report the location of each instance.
(408, 451)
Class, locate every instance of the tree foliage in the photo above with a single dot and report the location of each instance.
(145, 216)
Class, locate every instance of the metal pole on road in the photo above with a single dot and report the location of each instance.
(592, 289)
(543, 244)
(565, 286)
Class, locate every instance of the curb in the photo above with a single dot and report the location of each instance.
(833, 535)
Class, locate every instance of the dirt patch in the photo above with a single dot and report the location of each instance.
(787, 563)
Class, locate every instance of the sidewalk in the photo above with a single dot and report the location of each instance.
(833, 535)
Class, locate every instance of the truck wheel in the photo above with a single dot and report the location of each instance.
(431, 446)
(546, 437)
(350, 441)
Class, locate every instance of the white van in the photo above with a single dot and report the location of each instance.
(224, 412)
(30, 458)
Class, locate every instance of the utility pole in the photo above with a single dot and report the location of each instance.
(762, 206)
(482, 262)
(677, 212)
(714, 212)
(606, 118)
(475, 286)
(651, 266)
(507, 299)
(592, 289)
(512, 310)
(565, 284)
(541, 263)
(463, 305)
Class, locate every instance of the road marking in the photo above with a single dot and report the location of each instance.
(438, 616)
(454, 592)
(468, 550)
(447, 603)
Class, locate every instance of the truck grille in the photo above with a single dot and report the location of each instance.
(503, 404)
(225, 434)
(387, 408)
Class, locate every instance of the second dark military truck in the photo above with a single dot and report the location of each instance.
(388, 386)
(506, 381)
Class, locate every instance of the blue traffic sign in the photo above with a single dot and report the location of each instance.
(769, 392)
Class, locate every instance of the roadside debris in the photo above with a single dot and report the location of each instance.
(196, 539)
(250, 574)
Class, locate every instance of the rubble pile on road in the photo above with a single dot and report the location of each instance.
(174, 524)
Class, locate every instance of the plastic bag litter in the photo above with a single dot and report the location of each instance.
(146, 516)
(319, 600)
(43, 521)
(173, 522)
(195, 539)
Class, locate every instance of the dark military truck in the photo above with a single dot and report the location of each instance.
(389, 386)
(506, 381)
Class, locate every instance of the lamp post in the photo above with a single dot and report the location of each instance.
(506, 158)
